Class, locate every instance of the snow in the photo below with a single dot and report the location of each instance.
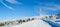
(34, 23)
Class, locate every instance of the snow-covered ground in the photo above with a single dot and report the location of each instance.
(37, 23)
(34, 23)
(53, 23)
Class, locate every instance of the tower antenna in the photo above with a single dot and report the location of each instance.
(40, 12)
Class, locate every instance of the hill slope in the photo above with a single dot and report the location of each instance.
(34, 23)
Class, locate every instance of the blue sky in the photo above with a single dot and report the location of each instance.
(11, 8)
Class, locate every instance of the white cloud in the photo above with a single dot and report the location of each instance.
(10, 1)
(13, 1)
(51, 6)
(7, 6)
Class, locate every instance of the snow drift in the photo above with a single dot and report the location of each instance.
(34, 23)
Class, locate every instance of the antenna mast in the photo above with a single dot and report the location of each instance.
(40, 12)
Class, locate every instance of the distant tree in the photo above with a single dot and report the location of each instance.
(28, 19)
(20, 21)
(32, 18)
(46, 17)
(7, 23)
(58, 16)
(50, 16)
(23, 20)
(2, 24)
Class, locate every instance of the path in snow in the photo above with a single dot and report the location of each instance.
(53, 24)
